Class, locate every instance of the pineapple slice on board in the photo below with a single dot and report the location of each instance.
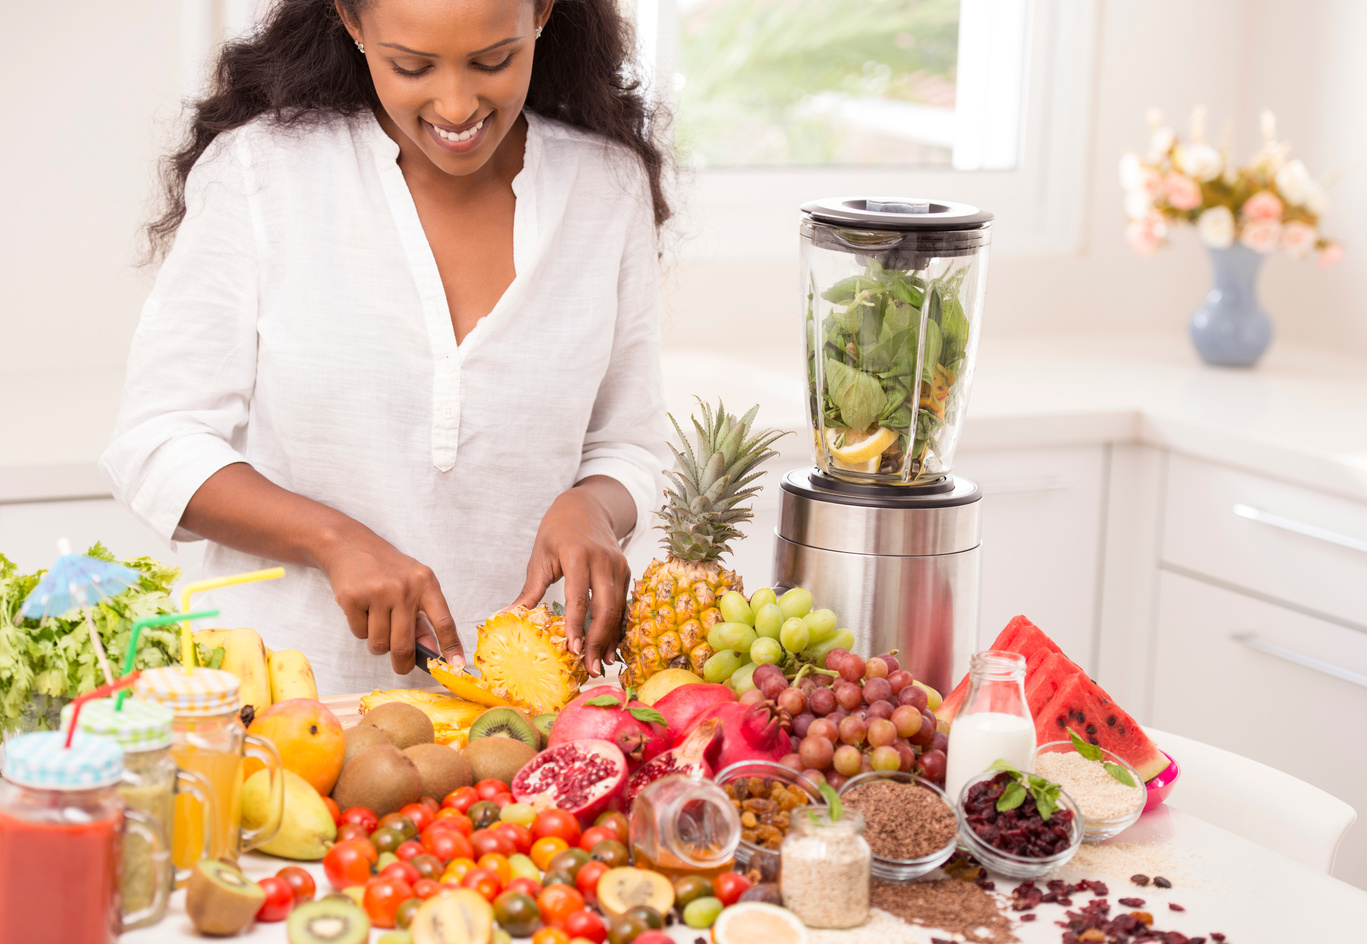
(674, 603)
(451, 716)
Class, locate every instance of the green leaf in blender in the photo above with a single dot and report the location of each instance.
(953, 332)
(859, 395)
(932, 357)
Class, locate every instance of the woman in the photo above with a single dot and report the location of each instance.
(405, 336)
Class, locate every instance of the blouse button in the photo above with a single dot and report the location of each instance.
(448, 411)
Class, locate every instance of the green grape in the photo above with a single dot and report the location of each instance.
(796, 602)
(734, 609)
(795, 635)
(820, 623)
(766, 650)
(720, 665)
(730, 636)
(841, 639)
(742, 680)
(702, 912)
(760, 597)
(768, 620)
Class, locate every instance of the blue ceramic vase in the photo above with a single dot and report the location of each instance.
(1231, 329)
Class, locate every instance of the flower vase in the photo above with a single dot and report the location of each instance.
(1231, 329)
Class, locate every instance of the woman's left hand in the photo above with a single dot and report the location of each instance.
(579, 541)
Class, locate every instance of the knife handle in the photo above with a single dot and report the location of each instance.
(423, 656)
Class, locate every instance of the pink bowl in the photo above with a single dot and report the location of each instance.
(1160, 786)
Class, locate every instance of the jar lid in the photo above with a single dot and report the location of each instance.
(139, 726)
(42, 760)
(198, 693)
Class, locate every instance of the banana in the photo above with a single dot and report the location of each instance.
(291, 676)
(244, 655)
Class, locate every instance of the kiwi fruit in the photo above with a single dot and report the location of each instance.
(329, 921)
(497, 758)
(404, 724)
(381, 778)
(442, 768)
(544, 723)
(220, 900)
(359, 738)
(506, 722)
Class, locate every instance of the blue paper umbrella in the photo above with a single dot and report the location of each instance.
(75, 581)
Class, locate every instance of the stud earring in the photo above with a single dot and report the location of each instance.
(360, 45)
(538, 31)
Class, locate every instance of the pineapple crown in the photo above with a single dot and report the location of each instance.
(709, 496)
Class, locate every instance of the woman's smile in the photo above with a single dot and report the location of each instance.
(459, 139)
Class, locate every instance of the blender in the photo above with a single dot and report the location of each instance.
(880, 529)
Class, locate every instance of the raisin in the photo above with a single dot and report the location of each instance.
(1161, 882)
(1139, 878)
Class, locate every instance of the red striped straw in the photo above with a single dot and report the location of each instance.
(100, 692)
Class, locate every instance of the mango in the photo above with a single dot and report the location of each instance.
(309, 738)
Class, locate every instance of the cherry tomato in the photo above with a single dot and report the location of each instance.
(729, 886)
(490, 788)
(428, 866)
(482, 881)
(545, 849)
(502, 799)
(461, 799)
(594, 835)
(526, 886)
(351, 831)
(362, 817)
(432, 803)
(485, 841)
(520, 835)
(279, 899)
(498, 864)
(408, 910)
(550, 936)
(421, 816)
(301, 882)
(382, 899)
(587, 878)
(405, 872)
(348, 863)
(401, 824)
(447, 844)
(557, 902)
(586, 924)
(450, 818)
(425, 888)
(409, 848)
(617, 822)
(559, 823)
(334, 810)
(457, 869)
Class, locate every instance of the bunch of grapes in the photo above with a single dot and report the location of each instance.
(770, 630)
(858, 716)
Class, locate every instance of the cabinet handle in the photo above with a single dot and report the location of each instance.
(1299, 658)
(1052, 484)
(1300, 527)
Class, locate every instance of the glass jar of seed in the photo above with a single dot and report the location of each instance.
(824, 868)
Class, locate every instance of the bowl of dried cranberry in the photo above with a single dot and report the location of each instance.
(908, 823)
(1016, 841)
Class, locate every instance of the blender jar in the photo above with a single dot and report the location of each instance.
(893, 292)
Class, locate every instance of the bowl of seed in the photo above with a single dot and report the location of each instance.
(908, 823)
(764, 794)
(1108, 791)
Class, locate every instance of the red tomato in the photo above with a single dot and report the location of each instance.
(520, 835)
(729, 886)
(450, 818)
(428, 866)
(559, 823)
(421, 816)
(382, 899)
(348, 863)
(617, 822)
(485, 841)
(586, 879)
(461, 799)
(503, 799)
(432, 803)
(301, 882)
(351, 831)
(490, 788)
(363, 817)
(425, 888)
(408, 849)
(483, 881)
(557, 902)
(594, 835)
(586, 924)
(279, 899)
(447, 844)
(334, 810)
(526, 886)
(405, 872)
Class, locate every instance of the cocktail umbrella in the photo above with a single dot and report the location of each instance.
(73, 581)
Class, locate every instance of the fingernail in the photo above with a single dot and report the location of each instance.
(577, 645)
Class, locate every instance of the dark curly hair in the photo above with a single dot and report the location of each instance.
(301, 66)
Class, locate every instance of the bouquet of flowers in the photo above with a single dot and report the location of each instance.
(1270, 203)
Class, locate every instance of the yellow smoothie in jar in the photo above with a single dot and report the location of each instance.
(224, 773)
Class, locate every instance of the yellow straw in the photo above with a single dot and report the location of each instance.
(187, 644)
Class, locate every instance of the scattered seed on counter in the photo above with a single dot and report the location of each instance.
(881, 927)
(1117, 861)
(902, 820)
(947, 904)
(1096, 792)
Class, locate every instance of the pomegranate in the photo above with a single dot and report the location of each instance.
(682, 706)
(750, 732)
(692, 758)
(584, 777)
(611, 714)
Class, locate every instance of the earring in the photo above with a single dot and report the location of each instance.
(360, 45)
(538, 31)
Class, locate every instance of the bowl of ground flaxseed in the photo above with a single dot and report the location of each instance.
(1108, 803)
(908, 823)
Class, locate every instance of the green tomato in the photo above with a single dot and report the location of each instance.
(720, 666)
(796, 602)
(522, 813)
(768, 620)
(795, 635)
(766, 651)
(842, 638)
(702, 912)
(760, 597)
(386, 858)
(742, 680)
(820, 623)
(523, 867)
(734, 609)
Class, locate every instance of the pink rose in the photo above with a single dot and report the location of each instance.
(1261, 236)
(1183, 192)
(1262, 206)
(1298, 239)
(1151, 183)
(1147, 234)
(1331, 254)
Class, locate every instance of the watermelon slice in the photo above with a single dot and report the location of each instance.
(1020, 636)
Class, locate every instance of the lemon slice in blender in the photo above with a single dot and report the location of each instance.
(859, 452)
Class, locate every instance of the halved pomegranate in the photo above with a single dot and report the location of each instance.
(693, 758)
(584, 777)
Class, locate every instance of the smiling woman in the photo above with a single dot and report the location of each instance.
(404, 333)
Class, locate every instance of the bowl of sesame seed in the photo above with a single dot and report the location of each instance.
(1109, 792)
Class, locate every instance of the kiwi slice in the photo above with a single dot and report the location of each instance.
(220, 900)
(506, 722)
(329, 921)
(544, 723)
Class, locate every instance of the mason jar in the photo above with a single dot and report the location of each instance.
(824, 868)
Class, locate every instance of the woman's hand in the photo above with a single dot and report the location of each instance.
(578, 540)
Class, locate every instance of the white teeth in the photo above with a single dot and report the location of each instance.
(465, 135)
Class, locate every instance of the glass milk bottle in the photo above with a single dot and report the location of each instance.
(994, 722)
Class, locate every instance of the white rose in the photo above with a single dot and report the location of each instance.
(1216, 227)
(1161, 143)
(1262, 236)
(1137, 204)
(1131, 171)
(1294, 182)
(1200, 161)
(1316, 199)
(1298, 239)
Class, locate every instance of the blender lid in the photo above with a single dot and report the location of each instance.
(898, 214)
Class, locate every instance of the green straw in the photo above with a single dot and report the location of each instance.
(137, 632)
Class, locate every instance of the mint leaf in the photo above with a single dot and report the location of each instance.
(832, 801)
(1118, 772)
(1000, 764)
(648, 715)
(1012, 797)
(1089, 751)
(604, 701)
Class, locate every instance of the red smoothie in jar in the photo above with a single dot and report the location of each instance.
(55, 881)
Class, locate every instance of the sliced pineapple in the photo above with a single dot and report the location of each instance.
(451, 716)
(522, 656)
(464, 685)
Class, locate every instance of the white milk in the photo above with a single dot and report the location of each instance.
(976, 740)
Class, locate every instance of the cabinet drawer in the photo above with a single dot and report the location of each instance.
(1275, 539)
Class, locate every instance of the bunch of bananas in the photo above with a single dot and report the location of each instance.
(267, 677)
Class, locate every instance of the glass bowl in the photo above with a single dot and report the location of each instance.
(770, 771)
(1095, 828)
(905, 870)
(1006, 862)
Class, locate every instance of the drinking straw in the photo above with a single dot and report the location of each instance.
(100, 692)
(187, 650)
(137, 633)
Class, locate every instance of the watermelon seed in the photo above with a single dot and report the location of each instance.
(1111, 721)
(1091, 729)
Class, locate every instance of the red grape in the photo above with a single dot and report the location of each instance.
(891, 660)
(880, 709)
(816, 752)
(764, 671)
(899, 680)
(881, 733)
(877, 689)
(801, 722)
(820, 681)
(851, 668)
(847, 760)
(835, 780)
(792, 762)
(907, 720)
(849, 695)
(774, 686)
(806, 684)
(839, 715)
(821, 701)
(908, 755)
(813, 777)
(853, 731)
(940, 742)
(875, 668)
(792, 701)
(932, 765)
(923, 736)
(915, 696)
(885, 758)
(835, 657)
(825, 729)
(865, 763)
(751, 696)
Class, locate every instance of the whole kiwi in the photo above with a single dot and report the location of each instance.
(404, 724)
(359, 738)
(380, 778)
(443, 768)
(497, 758)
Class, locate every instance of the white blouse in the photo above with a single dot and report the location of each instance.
(299, 324)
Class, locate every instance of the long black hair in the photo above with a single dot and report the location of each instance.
(301, 65)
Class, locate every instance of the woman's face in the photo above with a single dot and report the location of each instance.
(451, 74)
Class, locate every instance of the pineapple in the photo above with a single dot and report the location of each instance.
(451, 717)
(674, 603)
